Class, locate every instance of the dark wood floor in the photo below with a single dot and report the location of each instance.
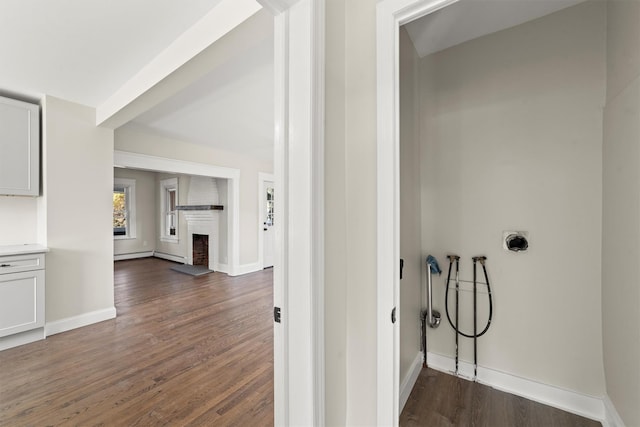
(440, 400)
(183, 351)
(198, 351)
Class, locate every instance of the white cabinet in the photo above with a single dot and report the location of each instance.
(22, 295)
(19, 148)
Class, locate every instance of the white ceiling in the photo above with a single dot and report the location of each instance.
(470, 19)
(230, 108)
(84, 50)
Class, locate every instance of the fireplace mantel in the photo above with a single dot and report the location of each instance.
(199, 207)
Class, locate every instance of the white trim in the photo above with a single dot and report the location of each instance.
(165, 186)
(277, 6)
(134, 255)
(169, 257)
(390, 15)
(410, 380)
(318, 37)
(21, 338)
(170, 239)
(567, 400)
(126, 159)
(262, 178)
(221, 268)
(299, 372)
(612, 417)
(246, 269)
(142, 91)
(387, 217)
(74, 322)
(282, 399)
(303, 164)
(162, 164)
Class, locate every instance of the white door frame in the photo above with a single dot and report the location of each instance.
(391, 14)
(262, 178)
(126, 159)
(299, 231)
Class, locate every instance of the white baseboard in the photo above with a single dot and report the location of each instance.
(567, 400)
(410, 380)
(612, 418)
(169, 257)
(245, 269)
(122, 257)
(63, 325)
(221, 268)
(22, 338)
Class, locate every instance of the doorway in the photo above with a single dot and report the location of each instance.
(298, 173)
(469, 156)
(266, 240)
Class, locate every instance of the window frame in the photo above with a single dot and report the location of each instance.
(129, 186)
(166, 186)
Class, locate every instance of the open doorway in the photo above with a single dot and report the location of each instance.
(215, 137)
(267, 203)
(511, 88)
(298, 333)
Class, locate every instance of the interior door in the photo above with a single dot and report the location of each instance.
(268, 237)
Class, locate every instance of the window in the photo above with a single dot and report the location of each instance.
(124, 219)
(169, 215)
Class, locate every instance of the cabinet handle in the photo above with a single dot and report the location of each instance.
(5, 265)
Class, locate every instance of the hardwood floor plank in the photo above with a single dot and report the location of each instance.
(440, 399)
(183, 350)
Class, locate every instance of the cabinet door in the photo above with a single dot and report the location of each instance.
(21, 302)
(19, 148)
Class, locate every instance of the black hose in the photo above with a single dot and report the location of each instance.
(446, 305)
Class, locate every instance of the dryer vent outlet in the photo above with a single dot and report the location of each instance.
(515, 241)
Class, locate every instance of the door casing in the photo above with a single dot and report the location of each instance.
(390, 15)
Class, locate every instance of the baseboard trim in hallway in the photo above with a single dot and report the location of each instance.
(410, 380)
(613, 418)
(570, 401)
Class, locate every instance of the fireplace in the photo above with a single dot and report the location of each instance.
(201, 250)
(202, 222)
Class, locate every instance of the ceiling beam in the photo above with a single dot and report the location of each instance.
(277, 6)
(153, 84)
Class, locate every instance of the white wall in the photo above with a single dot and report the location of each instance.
(179, 248)
(18, 220)
(146, 217)
(621, 211)
(360, 183)
(223, 220)
(512, 140)
(335, 214)
(410, 206)
(75, 211)
(143, 143)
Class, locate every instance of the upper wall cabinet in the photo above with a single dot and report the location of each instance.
(19, 148)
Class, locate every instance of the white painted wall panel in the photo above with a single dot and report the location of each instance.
(512, 140)
(621, 211)
(76, 210)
